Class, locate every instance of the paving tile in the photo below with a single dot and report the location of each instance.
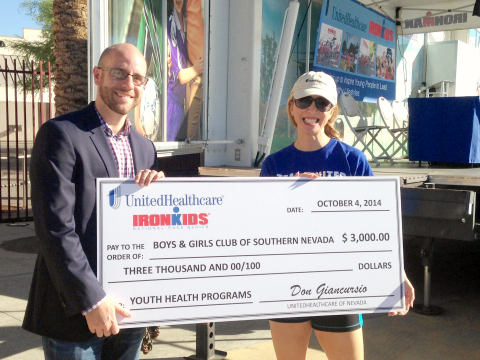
(15, 232)
(17, 343)
(16, 284)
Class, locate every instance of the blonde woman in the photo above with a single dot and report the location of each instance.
(312, 109)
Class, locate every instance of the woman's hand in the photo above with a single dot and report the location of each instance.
(188, 74)
(198, 65)
(309, 175)
(409, 297)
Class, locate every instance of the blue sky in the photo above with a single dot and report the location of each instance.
(13, 20)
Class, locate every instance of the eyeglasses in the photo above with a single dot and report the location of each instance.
(321, 103)
(122, 75)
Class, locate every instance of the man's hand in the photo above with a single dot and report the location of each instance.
(145, 177)
(103, 321)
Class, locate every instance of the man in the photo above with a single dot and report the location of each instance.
(67, 306)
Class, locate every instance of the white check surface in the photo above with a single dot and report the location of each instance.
(189, 250)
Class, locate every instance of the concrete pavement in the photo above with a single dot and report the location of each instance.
(453, 335)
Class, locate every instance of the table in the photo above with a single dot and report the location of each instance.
(444, 129)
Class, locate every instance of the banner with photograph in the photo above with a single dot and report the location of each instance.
(356, 45)
(184, 54)
(185, 33)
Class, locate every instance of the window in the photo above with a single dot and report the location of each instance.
(171, 108)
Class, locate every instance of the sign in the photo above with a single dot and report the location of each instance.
(222, 249)
(444, 17)
(356, 46)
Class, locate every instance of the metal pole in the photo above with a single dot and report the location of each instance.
(265, 139)
(427, 285)
(42, 117)
(309, 25)
(424, 69)
(427, 260)
(205, 345)
(34, 130)
(50, 104)
(164, 71)
(17, 160)
(283, 57)
(25, 143)
(24, 169)
(206, 70)
(8, 140)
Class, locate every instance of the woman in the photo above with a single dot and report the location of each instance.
(180, 71)
(312, 109)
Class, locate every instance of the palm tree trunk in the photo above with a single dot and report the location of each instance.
(70, 34)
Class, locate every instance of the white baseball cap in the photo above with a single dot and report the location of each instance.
(316, 83)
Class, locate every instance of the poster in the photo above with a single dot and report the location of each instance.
(356, 46)
(184, 53)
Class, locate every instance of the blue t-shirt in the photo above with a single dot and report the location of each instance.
(334, 159)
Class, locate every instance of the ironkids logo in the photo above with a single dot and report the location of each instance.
(380, 31)
(174, 219)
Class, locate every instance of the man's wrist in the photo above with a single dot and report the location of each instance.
(93, 307)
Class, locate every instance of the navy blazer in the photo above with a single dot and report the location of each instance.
(69, 154)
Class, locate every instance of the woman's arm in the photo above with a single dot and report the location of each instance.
(188, 74)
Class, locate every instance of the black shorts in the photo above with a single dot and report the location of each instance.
(331, 323)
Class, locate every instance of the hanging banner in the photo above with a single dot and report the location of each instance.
(443, 18)
(184, 52)
(356, 45)
(185, 79)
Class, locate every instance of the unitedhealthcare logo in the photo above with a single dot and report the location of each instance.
(114, 198)
(161, 200)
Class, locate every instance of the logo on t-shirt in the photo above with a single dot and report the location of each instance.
(325, 173)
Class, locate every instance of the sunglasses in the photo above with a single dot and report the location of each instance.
(321, 103)
(122, 75)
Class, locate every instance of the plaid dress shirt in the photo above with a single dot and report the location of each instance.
(122, 152)
(121, 149)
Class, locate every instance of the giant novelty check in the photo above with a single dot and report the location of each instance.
(221, 249)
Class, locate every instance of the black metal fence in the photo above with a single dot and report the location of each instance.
(25, 104)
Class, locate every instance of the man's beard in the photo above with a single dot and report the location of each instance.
(107, 94)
